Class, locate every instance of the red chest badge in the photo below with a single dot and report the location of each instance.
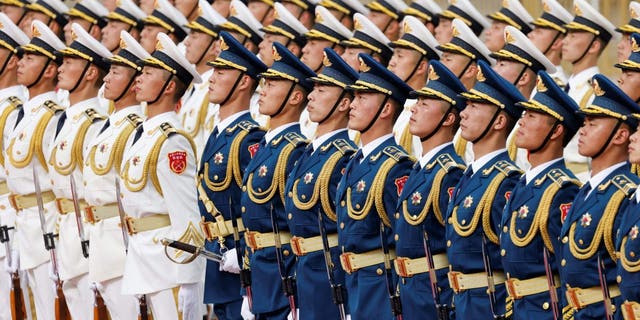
(178, 161)
(253, 149)
(564, 210)
(507, 195)
(400, 183)
(450, 192)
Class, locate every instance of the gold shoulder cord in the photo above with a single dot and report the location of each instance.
(233, 168)
(539, 221)
(375, 195)
(628, 265)
(13, 105)
(432, 202)
(35, 145)
(585, 98)
(115, 155)
(604, 229)
(320, 189)
(76, 152)
(406, 139)
(460, 145)
(277, 182)
(512, 150)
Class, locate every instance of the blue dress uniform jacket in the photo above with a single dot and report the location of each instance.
(360, 210)
(311, 187)
(263, 189)
(466, 224)
(628, 246)
(596, 217)
(423, 201)
(532, 220)
(223, 163)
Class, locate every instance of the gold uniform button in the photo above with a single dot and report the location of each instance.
(290, 194)
(342, 203)
(286, 252)
(464, 221)
(397, 215)
(357, 206)
(503, 252)
(505, 229)
(341, 225)
(396, 237)
(618, 279)
(563, 262)
(448, 243)
(290, 216)
(450, 220)
(632, 254)
(379, 271)
(303, 197)
(244, 188)
(580, 241)
(545, 306)
(565, 239)
(215, 177)
(519, 231)
(243, 209)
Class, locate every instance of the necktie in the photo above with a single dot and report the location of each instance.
(567, 87)
(581, 197)
(139, 131)
(466, 177)
(215, 132)
(20, 116)
(106, 125)
(61, 122)
(356, 160)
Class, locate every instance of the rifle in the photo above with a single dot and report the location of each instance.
(84, 242)
(61, 310)
(288, 282)
(143, 310)
(555, 305)
(245, 274)
(491, 288)
(15, 296)
(396, 305)
(442, 310)
(337, 291)
(605, 289)
(99, 309)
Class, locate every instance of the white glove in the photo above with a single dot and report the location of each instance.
(15, 262)
(245, 311)
(348, 317)
(290, 316)
(52, 274)
(229, 262)
(188, 301)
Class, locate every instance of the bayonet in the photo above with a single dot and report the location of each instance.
(84, 242)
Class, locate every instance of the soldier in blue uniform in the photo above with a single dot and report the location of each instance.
(475, 210)
(533, 216)
(368, 191)
(229, 149)
(311, 188)
(630, 70)
(283, 96)
(435, 120)
(587, 235)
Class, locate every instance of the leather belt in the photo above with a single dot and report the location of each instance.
(519, 289)
(4, 189)
(257, 240)
(65, 205)
(631, 310)
(352, 262)
(465, 281)
(579, 298)
(93, 214)
(220, 228)
(20, 201)
(407, 267)
(152, 222)
(301, 246)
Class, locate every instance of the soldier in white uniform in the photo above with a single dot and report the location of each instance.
(159, 191)
(201, 46)
(128, 17)
(165, 18)
(25, 153)
(587, 36)
(12, 96)
(103, 162)
(81, 74)
(90, 15)
(633, 26)
(14, 9)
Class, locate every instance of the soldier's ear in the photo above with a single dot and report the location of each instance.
(622, 135)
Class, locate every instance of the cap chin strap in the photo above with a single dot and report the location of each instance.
(204, 52)
(333, 109)
(520, 75)
(604, 146)
(444, 118)
(546, 139)
(126, 89)
(486, 129)
(40, 75)
(6, 62)
(415, 68)
(266, 14)
(166, 83)
(552, 42)
(284, 101)
(465, 68)
(235, 84)
(586, 50)
(84, 71)
(386, 98)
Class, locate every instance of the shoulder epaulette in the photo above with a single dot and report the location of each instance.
(447, 162)
(561, 178)
(248, 125)
(295, 138)
(507, 168)
(134, 119)
(168, 129)
(395, 153)
(52, 106)
(625, 184)
(343, 146)
(15, 101)
(93, 115)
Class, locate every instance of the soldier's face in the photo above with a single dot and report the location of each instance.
(426, 114)
(186, 7)
(149, 83)
(220, 84)
(629, 82)
(380, 19)
(70, 72)
(593, 134)
(454, 62)
(634, 147)
(509, 70)
(273, 94)
(14, 13)
(403, 62)
(364, 107)
(574, 45)
(312, 53)
(321, 101)
(147, 6)
(68, 38)
(29, 68)
(195, 46)
(542, 38)
(475, 118)
(623, 49)
(443, 32)
(494, 36)
(262, 12)
(534, 128)
(222, 7)
(148, 36)
(111, 34)
(266, 47)
(31, 16)
(116, 81)
(350, 56)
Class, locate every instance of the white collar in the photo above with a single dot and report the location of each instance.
(597, 179)
(482, 161)
(426, 158)
(223, 124)
(317, 142)
(16, 91)
(369, 147)
(274, 132)
(534, 172)
(583, 76)
(80, 107)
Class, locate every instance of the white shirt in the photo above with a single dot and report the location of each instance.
(273, 133)
(321, 139)
(429, 155)
(482, 161)
(535, 171)
(597, 179)
(369, 147)
(223, 124)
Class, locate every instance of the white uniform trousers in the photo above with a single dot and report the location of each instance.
(120, 307)
(43, 289)
(79, 297)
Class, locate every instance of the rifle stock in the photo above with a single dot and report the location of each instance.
(61, 309)
(17, 301)
(99, 308)
(144, 309)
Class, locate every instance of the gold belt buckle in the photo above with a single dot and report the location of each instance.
(345, 260)
(402, 267)
(14, 201)
(89, 214)
(130, 221)
(453, 281)
(59, 205)
(296, 246)
(250, 238)
(221, 226)
(511, 288)
(573, 299)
